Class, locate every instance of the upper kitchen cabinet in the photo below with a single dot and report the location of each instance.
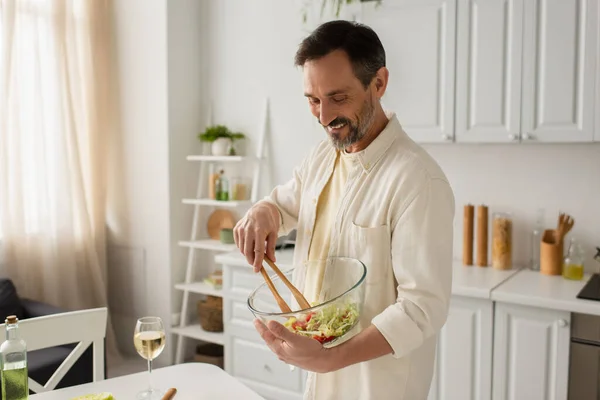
(559, 67)
(488, 72)
(419, 38)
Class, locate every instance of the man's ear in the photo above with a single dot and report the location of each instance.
(380, 81)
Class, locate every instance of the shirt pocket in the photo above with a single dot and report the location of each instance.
(372, 246)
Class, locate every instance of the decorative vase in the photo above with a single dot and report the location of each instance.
(220, 147)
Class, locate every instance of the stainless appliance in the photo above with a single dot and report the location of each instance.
(591, 290)
(584, 363)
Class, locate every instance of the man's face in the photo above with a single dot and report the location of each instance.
(338, 99)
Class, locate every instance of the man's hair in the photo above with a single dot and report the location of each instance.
(361, 44)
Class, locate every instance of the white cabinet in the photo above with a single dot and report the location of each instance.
(463, 368)
(247, 357)
(531, 353)
(488, 71)
(419, 38)
(559, 67)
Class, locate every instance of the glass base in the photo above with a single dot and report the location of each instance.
(151, 394)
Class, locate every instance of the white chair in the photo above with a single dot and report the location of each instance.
(85, 327)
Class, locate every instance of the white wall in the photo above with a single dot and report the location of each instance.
(252, 56)
(139, 253)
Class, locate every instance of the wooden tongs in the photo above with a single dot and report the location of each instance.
(280, 301)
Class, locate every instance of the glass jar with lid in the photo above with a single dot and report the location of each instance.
(502, 240)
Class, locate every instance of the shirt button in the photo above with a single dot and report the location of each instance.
(367, 165)
(314, 200)
(308, 232)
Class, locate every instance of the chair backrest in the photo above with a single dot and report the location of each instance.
(85, 327)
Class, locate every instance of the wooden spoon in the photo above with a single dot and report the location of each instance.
(280, 301)
(565, 224)
(297, 294)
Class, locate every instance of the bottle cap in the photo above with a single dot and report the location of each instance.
(11, 319)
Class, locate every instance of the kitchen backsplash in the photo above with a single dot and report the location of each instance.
(521, 179)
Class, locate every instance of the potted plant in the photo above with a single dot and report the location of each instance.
(221, 139)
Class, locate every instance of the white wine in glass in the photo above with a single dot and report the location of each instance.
(149, 341)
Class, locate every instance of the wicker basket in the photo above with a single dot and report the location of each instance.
(209, 353)
(210, 314)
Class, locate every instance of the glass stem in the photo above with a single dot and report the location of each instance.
(150, 375)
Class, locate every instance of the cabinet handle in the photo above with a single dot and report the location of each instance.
(562, 323)
(526, 136)
(446, 137)
(513, 137)
(267, 368)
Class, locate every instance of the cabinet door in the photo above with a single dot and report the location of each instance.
(559, 58)
(488, 71)
(463, 368)
(419, 39)
(531, 353)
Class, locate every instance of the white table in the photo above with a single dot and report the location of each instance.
(193, 381)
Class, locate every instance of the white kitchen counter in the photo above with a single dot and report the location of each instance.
(478, 282)
(532, 288)
(471, 281)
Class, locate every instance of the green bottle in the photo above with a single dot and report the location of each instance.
(222, 187)
(13, 363)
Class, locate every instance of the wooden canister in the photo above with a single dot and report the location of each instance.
(482, 236)
(468, 221)
(551, 254)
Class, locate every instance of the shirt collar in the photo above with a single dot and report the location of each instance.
(377, 148)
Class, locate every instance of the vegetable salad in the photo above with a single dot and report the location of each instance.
(326, 324)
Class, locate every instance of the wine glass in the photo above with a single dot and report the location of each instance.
(149, 341)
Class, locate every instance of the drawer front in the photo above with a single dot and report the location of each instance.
(239, 282)
(236, 313)
(254, 361)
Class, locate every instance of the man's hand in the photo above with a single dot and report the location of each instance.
(259, 225)
(293, 349)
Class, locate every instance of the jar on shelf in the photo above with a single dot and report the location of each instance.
(222, 187)
(502, 240)
(240, 188)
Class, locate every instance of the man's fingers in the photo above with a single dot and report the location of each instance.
(240, 234)
(264, 332)
(259, 250)
(249, 247)
(236, 235)
(271, 241)
(282, 332)
(271, 340)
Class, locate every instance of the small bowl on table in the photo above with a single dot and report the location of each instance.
(331, 319)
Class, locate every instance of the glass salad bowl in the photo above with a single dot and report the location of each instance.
(340, 300)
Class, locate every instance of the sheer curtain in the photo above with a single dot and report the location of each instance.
(54, 120)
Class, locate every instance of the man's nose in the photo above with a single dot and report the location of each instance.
(325, 115)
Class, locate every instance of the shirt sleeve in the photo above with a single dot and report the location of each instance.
(421, 242)
(286, 198)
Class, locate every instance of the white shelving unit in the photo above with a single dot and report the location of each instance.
(194, 244)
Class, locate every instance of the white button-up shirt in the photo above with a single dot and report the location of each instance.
(396, 216)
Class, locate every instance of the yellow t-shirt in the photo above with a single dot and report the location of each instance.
(327, 208)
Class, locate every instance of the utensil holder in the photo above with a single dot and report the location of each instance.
(551, 254)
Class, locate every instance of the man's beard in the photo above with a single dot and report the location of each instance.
(356, 130)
